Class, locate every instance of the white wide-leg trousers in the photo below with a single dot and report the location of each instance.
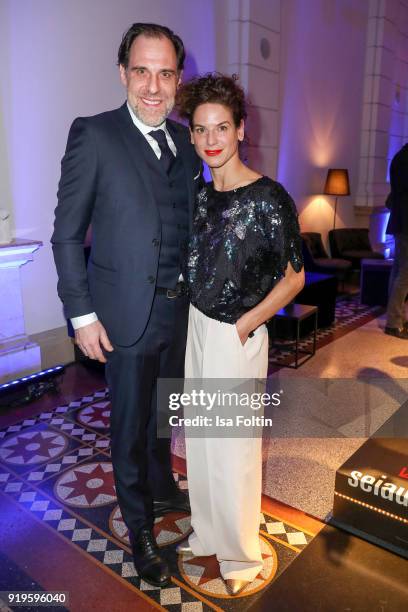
(225, 474)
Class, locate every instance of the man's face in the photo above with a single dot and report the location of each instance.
(151, 78)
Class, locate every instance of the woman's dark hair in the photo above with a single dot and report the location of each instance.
(152, 30)
(212, 87)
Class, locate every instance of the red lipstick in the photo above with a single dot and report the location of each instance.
(212, 152)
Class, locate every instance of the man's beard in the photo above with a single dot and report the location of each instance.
(152, 117)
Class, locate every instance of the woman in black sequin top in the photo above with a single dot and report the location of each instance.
(241, 244)
(244, 264)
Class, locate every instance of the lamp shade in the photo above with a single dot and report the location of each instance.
(337, 182)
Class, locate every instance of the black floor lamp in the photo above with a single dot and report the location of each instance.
(337, 184)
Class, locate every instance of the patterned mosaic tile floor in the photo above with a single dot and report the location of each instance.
(57, 467)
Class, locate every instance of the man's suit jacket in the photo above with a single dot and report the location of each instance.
(105, 183)
(397, 201)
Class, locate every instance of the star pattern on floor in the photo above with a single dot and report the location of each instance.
(63, 493)
(118, 526)
(32, 447)
(97, 415)
(172, 527)
(203, 573)
(88, 485)
(209, 568)
(168, 529)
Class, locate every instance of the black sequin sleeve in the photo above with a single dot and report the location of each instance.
(282, 226)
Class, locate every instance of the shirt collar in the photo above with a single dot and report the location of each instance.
(142, 127)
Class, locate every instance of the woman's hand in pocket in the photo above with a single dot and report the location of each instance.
(244, 328)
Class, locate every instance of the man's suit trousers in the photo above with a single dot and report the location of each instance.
(141, 461)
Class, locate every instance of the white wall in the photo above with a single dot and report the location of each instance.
(5, 187)
(322, 75)
(58, 61)
(256, 58)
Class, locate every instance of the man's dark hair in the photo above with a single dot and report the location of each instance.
(152, 30)
(212, 87)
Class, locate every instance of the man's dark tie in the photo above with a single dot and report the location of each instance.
(167, 157)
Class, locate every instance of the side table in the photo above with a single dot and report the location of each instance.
(296, 314)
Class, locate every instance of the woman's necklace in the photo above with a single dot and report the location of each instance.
(237, 184)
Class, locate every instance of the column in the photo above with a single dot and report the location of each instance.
(385, 109)
(253, 52)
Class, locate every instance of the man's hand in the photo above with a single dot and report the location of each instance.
(90, 338)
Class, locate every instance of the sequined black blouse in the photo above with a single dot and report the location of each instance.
(241, 243)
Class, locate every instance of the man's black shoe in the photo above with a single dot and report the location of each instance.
(397, 332)
(178, 502)
(148, 561)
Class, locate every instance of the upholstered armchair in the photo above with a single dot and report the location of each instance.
(316, 258)
(353, 244)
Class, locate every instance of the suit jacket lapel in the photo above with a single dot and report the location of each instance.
(135, 143)
(183, 147)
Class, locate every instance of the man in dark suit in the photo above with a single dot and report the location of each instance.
(397, 202)
(132, 175)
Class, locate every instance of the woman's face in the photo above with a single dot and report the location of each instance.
(214, 134)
